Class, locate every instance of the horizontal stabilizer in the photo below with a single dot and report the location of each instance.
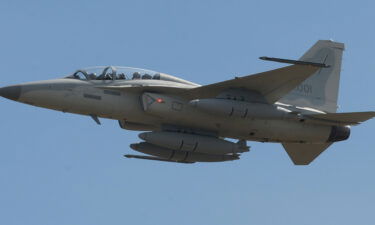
(273, 84)
(304, 154)
(351, 118)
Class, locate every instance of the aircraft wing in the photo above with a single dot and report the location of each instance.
(273, 84)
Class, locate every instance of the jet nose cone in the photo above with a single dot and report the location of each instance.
(11, 92)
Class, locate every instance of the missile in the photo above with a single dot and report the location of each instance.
(150, 158)
(193, 143)
(180, 156)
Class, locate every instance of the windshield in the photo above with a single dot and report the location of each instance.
(113, 73)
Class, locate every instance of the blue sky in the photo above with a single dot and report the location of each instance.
(62, 169)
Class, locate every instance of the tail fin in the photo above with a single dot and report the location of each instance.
(320, 91)
(304, 154)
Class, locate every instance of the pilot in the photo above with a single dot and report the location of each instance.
(146, 76)
(92, 76)
(156, 76)
(136, 75)
(121, 76)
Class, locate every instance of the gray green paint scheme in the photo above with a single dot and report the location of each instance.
(320, 91)
(186, 122)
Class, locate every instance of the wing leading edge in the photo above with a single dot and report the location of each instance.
(273, 84)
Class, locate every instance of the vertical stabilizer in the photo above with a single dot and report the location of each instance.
(320, 91)
(304, 154)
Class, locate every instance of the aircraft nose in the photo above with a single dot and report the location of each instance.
(11, 92)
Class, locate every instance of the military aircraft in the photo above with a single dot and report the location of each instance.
(185, 122)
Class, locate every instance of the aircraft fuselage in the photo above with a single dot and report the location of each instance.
(83, 97)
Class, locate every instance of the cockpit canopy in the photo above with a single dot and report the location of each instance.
(113, 73)
(123, 73)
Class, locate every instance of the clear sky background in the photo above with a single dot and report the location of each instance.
(60, 169)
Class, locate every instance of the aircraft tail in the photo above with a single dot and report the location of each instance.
(320, 91)
(348, 118)
(304, 154)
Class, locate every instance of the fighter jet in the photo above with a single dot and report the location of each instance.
(185, 122)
